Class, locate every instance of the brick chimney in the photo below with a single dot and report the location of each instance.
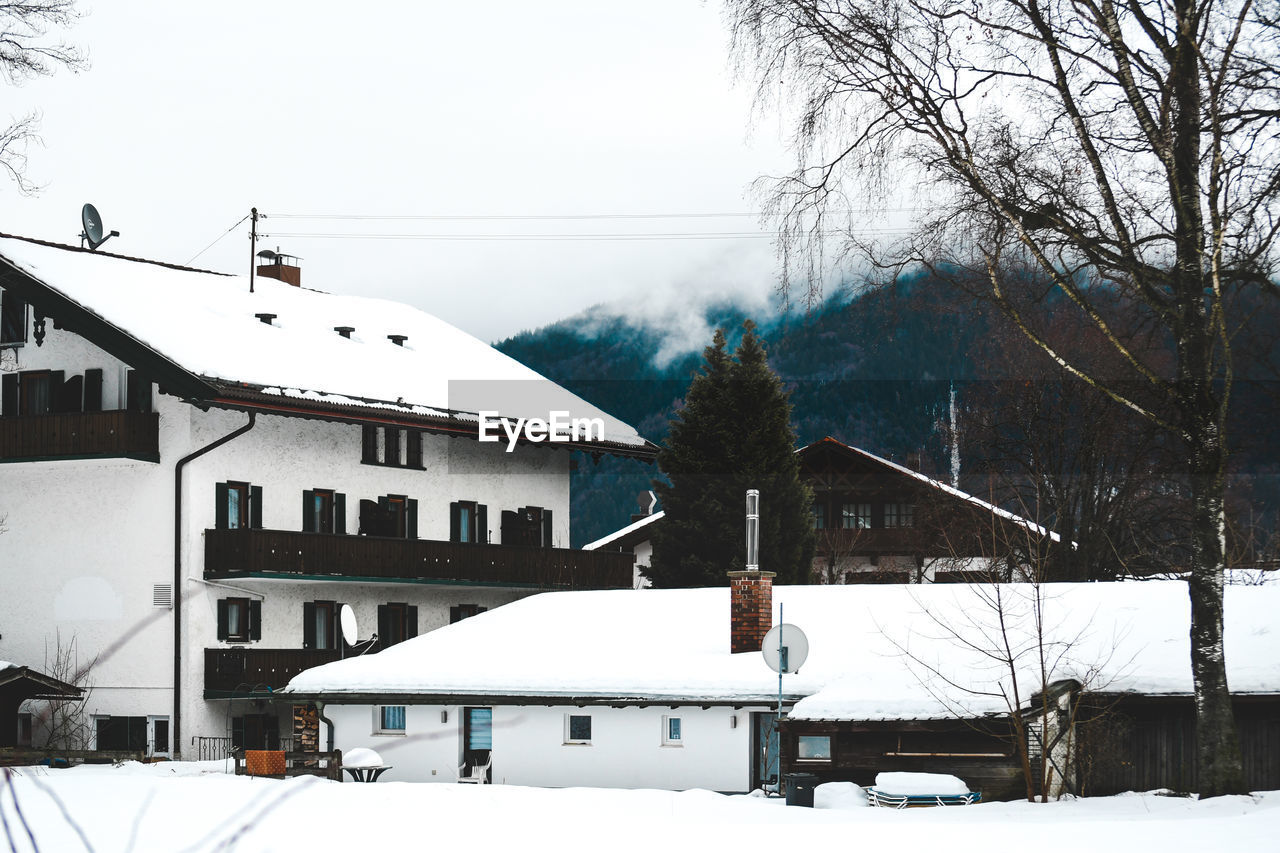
(280, 266)
(750, 609)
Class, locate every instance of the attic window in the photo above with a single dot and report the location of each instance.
(398, 340)
(266, 318)
(345, 331)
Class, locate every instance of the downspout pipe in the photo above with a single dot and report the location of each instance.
(328, 723)
(178, 587)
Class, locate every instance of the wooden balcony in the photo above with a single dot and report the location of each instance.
(80, 435)
(249, 671)
(283, 553)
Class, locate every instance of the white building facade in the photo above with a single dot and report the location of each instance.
(191, 488)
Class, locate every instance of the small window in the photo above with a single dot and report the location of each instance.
(389, 720)
(577, 728)
(238, 507)
(458, 612)
(468, 522)
(160, 736)
(391, 446)
(671, 731)
(819, 517)
(13, 320)
(239, 620)
(899, 515)
(24, 730)
(324, 511)
(855, 516)
(397, 622)
(813, 748)
(320, 629)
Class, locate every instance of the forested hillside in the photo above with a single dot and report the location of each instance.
(877, 370)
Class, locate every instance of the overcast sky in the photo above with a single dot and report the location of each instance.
(190, 114)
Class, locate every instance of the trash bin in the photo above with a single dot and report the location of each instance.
(800, 789)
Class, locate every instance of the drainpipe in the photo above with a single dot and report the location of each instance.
(177, 575)
(328, 723)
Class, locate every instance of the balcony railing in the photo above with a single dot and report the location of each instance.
(236, 553)
(247, 671)
(80, 435)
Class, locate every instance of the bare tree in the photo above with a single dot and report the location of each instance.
(1117, 159)
(65, 722)
(25, 52)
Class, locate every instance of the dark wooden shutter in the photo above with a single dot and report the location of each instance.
(93, 390)
(455, 614)
(70, 395)
(411, 519)
(482, 523)
(413, 449)
(137, 392)
(546, 528)
(255, 507)
(339, 513)
(220, 519)
(56, 379)
(222, 619)
(510, 527)
(369, 445)
(308, 512)
(384, 625)
(308, 625)
(8, 395)
(455, 522)
(255, 619)
(411, 621)
(368, 518)
(391, 449)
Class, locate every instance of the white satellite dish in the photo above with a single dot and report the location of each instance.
(347, 621)
(785, 648)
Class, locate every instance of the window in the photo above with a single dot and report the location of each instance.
(124, 734)
(390, 515)
(320, 629)
(458, 612)
(324, 511)
(255, 731)
(35, 392)
(396, 623)
(394, 446)
(819, 516)
(468, 522)
(238, 506)
(24, 730)
(160, 735)
(239, 620)
(477, 734)
(388, 720)
(899, 515)
(671, 731)
(855, 516)
(577, 728)
(813, 748)
(13, 320)
(529, 527)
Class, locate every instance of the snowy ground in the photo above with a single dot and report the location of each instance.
(193, 807)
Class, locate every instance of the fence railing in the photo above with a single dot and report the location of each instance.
(134, 435)
(232, 553)
(251, 671)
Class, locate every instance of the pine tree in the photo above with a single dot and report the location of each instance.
(734, 433)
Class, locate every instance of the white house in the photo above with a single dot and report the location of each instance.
(197, 472)
(660, 688)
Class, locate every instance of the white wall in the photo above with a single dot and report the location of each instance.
(626, 749)
(86, 540)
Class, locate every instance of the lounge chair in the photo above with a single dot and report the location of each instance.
(475, 774)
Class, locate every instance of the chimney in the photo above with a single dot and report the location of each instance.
(280, 266)
(344, 331)
(266, 318)
(398, 340)
(750, 609)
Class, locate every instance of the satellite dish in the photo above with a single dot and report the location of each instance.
(92, 222)
(347, 621)
(785, 648)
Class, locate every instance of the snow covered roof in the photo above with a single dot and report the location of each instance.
(673, 645)
(931, 483)
(205, 323)
(619, 537)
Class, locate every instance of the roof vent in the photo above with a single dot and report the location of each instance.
(266, 318)
(345, 331)
(398, 340)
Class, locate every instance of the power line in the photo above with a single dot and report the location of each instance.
(711, 235)
(215, 242)
(502, 217)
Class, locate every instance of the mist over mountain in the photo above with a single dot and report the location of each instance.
(874, 368)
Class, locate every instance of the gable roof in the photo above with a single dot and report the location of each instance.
(24, 682)
(196, 333)
(629, 536)
(665, 646)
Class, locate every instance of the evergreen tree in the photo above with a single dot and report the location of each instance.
(734, 433)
